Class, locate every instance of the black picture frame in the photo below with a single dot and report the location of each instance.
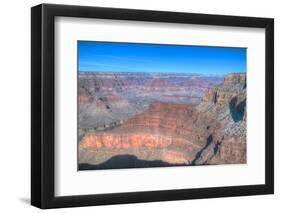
(43, 102)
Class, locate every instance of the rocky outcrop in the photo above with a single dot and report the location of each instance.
(234, 79)
(227, 104)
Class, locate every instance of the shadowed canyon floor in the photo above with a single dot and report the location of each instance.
(153, 120)
(126, 161)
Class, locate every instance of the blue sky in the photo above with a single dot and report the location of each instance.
(133, 57)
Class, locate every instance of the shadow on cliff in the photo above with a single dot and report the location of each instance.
(126, 161)
(199, 154)
(237, 110)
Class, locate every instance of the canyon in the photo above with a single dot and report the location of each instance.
(129, 120)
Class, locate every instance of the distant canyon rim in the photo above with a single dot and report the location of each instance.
(132, 120)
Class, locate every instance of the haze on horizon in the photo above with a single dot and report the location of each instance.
(158, 58)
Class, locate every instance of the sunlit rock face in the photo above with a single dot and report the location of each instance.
(211, 131)
(125, 140)
(226, 103)
(161, 130)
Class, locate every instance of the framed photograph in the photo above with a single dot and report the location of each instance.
(139, 106)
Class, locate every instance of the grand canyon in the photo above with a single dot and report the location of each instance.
(137, 120)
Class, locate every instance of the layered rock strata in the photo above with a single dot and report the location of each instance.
(212, 132)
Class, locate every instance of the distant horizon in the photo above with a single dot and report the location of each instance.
(173, 73)
(113, 57)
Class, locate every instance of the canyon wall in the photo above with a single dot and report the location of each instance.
(211, 132)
